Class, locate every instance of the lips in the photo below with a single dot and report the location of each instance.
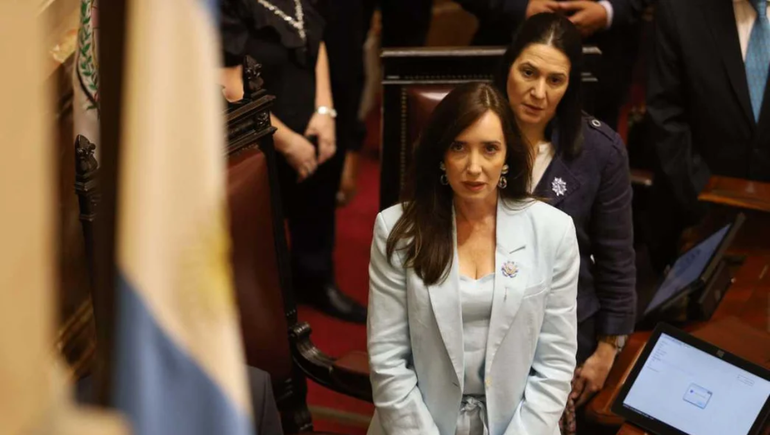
(533, 108)
(474, 185)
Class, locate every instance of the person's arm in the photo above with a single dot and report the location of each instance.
(231, 79)
(626, 12)
(612, 239)
(400, 407)
(298, 151)
(322, 124)
(548, 385)
(683, 170)
(591, 16)
(512, 12)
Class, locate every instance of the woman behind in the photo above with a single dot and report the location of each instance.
(581, 168)
(472, 326)
(285, 38)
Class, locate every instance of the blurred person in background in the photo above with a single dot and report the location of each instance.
(286, 38)
(405, 23)
(708, 106)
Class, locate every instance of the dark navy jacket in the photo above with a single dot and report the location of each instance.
(595, 189)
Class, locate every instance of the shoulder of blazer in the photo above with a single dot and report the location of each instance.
(598, 134)
(391, 215)
(547, 222)
(601, 143)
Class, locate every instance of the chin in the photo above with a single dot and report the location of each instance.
(531, 119)
(476, 196)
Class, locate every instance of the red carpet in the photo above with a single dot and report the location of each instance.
(354, 236)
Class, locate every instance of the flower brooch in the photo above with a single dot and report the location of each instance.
(510, 269)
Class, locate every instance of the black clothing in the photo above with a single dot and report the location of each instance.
(288, 70)
(594, 188)
(700, 115)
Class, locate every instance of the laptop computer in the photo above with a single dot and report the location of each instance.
(691, 271)
(681, 385)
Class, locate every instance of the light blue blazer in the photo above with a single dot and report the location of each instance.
(415, 333)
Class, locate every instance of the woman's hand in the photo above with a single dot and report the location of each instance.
(590, 377)
(322, 126)
(300, 154)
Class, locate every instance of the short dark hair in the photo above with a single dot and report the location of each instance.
(557, 31)
(426, 223)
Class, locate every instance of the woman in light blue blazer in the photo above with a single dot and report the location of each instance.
(473, 284)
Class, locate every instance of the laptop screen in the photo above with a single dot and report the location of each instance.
(687, 268)
(695, 392)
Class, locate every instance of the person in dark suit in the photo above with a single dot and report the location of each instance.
(708, 106)
(267, 420)
(611, 25)
(580, 167)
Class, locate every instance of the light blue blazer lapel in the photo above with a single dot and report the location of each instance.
(509, 288)
(445, 301)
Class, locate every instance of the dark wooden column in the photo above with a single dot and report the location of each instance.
(112, 20)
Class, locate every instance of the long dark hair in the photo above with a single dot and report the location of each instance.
(558, 32)
(425, 227)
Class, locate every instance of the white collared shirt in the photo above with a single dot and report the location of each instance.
(545, 153)
(745, 15)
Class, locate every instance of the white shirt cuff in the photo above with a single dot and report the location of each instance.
(607, 7)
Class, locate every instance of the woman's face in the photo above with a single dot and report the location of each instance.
(475, 159)
(537, 81)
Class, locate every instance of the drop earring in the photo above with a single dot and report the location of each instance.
(503, 183)
(443, 179)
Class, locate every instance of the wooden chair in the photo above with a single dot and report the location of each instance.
(274, 339)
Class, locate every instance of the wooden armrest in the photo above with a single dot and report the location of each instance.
(352, 370)
(628, 429)
(598, 409)
(348, 375)
(737, 192)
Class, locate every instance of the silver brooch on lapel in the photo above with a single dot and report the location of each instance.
(559, 186)
(510, 269)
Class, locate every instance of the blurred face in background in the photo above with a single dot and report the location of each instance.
(537, 81)
(474, 161)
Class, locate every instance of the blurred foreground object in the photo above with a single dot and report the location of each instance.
(179, 366)
(35, 394)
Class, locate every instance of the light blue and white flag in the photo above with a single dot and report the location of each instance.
(179, 364)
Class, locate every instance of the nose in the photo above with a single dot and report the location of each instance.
(538, 89)
(474, 164)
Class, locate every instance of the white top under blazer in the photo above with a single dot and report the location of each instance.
(415, 332)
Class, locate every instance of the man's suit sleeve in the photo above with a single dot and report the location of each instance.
(400, 406)
(684, 170)
(627, 12)
(512, 12)
(548, 385)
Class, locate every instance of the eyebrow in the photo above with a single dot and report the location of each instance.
(484, 142)
(529, 64)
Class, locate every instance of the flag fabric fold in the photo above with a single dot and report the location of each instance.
(179, 365)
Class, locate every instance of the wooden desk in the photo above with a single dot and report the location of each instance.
(748, 300)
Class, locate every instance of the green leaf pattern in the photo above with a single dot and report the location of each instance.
(86, 67)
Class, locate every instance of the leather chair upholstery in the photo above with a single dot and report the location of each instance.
(274, 340)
